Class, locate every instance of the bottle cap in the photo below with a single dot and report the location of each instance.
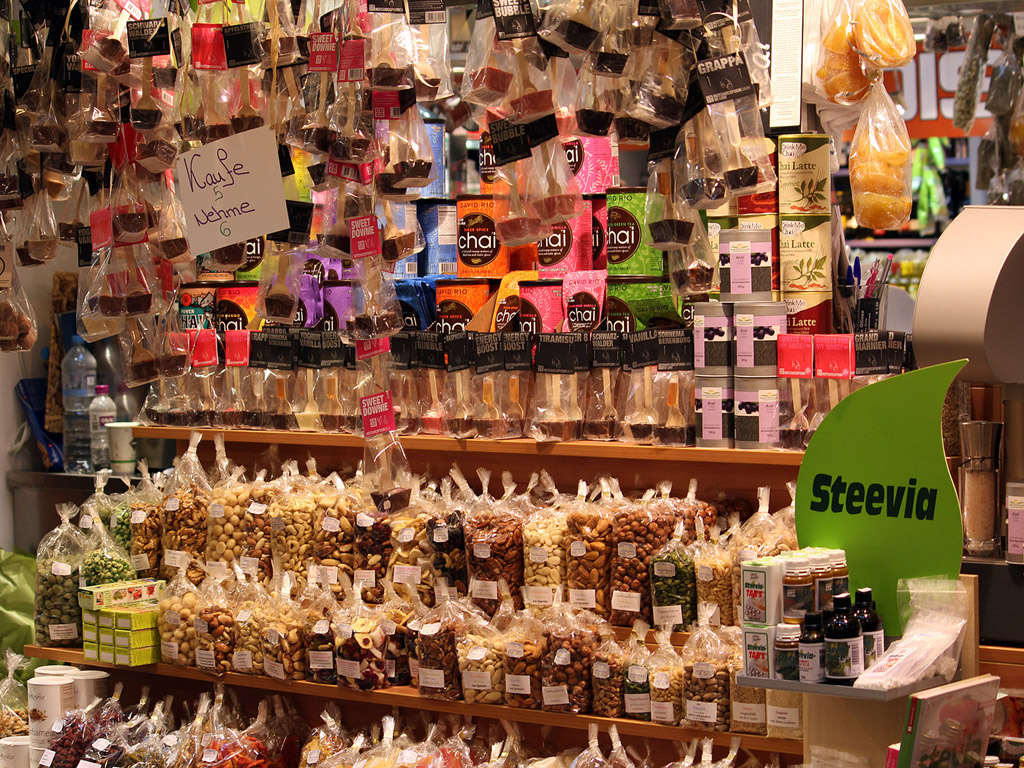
(798, 566)
(787, 632)
(841, 602)
(818, 560)
(102, 389)
(980, 439)
(864, 596)
(812, 620)
(76, 339)
(837, 557)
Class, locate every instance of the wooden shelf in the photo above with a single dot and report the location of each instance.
(408, 697)
(518, 447)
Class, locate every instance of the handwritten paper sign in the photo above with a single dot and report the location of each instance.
(231, 190)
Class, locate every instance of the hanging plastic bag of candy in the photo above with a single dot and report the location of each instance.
(36, 242)
(138, 351)
(392, 52)
(730, 29)
(432, 64)
(882, 33)
(660, 99)
(488, 73)
(880, 164)
(18, 329)
(842, 75)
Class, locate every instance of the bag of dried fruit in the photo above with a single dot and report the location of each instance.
(360, 643)
(396, 613)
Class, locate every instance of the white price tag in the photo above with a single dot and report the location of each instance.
(703, 671)
(216, 511)
(430, 629)
(140, 562)
(243, 615)
(784, 717)
(637, 673)
(209, 755)
(664, 570)
(257, 508)
(330, 524)
(704, 573)
(663, 712)
(481, 550)
(86, 522)
(667, 614)
(541, 596)
(702, 711)
(63, 631)
(250, 565)
(60, 569)
(405, 535)
(431, 678)
(138, 516)
(637, 703)
(554, 695)
(661, 681)
(577, 549)
(601, 670)
(583, 598)
(363, 520)
(172, 618)
(172, 504)
(241, 660)
(313, 757)
(364, 579)
(321, 659)
(348, 668)
(625, 601)
(518, 684)
(476, 653)
(538, 555)
(273, 636)
(485, 590)
(46, 759)
(408, 574)
(174, 558)
(627, 549)
(200, 625)
(476, 681)
(205, 659)
(273, 669)
(748, 713)
(514, 650)
(322, 627)
(169, 651)
(563, 657)
(441, 534)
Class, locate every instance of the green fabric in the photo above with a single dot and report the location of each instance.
(17, 592)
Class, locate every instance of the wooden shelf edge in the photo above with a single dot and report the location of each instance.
(518, 447)
(410, 698)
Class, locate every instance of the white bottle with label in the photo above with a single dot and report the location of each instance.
(102, 411)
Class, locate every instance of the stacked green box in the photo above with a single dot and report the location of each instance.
(134, 637)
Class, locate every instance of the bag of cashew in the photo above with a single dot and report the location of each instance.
(706, 675)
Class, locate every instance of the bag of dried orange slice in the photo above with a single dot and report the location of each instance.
(882, 33)
(843, 76)
(880, 164)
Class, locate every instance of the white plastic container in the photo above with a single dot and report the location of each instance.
(14, 752)
(89, 684)
(48, 699)
(56, 670)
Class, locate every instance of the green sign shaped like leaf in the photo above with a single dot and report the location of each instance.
(875, 482)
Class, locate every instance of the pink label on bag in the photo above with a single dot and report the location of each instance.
(323, 52)
(372, 348)
(352, 61)
(236, 347)
(365, 236)
(378, 414)
(208, 47)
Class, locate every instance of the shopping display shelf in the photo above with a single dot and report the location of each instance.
(841, 691)
(516, 447)
(408, 697)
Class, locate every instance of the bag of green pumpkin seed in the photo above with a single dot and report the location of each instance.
(674, 583)
(104, 561)
(58, 616)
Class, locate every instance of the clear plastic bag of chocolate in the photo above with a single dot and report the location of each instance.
(596, 97)
(516, 221)
(641, 412)
(248, 106)
(18, 328)
(94, 111)
(691, 269)
(670, 222)
(278, 296)
(554, 192)
(1006, 82)
(572, 25)
(530, 95)
(108, 50)
(408, 158)
(48, 129)
(680, 14)
(37, 235)
(10, 194)
(841, 74)
(170, 239)
(611, 50)
(279, 39)
(139, 346)
(488, 75)
(746, 167)
(401, 233)
(154, 86)
(431, 65)
(882, 33)
(392, 52)
(375, 303)
(880, 164)
(675, 390)
(732, 30)
(554, 413)
(351, 121)
(660, 99)
(699, 161)
(129, 219)
(352, 201)
(796, 409)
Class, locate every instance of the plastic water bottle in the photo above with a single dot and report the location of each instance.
(78, 382)
(102, 411)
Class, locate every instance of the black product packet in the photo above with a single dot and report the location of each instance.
(487, 352)
(541, 130)
(897, 351)
(272, 348)
(724, 78)
(871, 353)
(148, 37)
(242, 44)
(284, 160)
(509, 141)
(516, 350)
(484, 9)
(349, 359)
(559, 352)
(310, 349)
(663, 143)
(458, 348)
(83, 240)
(71, 69)
(429, 349)
(427, 12)
(641, 349)
(606, 349)
(675, 349)
(300, 217)
(332, 349)
(386, 6)
(403, 351)
(513, 19)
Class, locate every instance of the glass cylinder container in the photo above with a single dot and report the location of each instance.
(979, 487)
